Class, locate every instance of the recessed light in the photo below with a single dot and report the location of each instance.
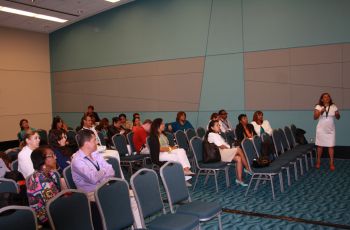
(31, 14)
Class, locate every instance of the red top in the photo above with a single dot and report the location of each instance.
(139, 138)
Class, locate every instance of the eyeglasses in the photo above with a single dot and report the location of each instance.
(50, 156)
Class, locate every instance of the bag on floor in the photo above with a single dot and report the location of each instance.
(211, 152)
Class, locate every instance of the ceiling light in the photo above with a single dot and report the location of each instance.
(31, 14)
(112, 1)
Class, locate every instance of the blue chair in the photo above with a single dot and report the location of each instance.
(207, 169)
(171, 138)
(189, 134)
(116, 166)
(12, 154)
(230, 137)
(130, 137)
(200, 132)
(8, 185)
(43, 136)
(173, 179)
(261, 174)
(145, 185)
(102, 138)
(114, 206)
(181, 140)
(257, 144)
(67, 174)
(16, 217)
(14, 165)
(70, 210)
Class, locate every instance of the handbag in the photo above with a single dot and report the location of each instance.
(211, 152)
(261, 162)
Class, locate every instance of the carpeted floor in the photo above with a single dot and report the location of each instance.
(318, 195)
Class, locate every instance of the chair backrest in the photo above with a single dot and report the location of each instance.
(294, 131)
(284, 140)
(289, 136)
(257, 144)
(197, 149)
(12, 154)
(189, 134)
(230, 137)
(130, 137)
(181, 139)
(14, 165)
(71, 136)
(145, 185)
(8, 185)
(249, 151)
(223, 136)
(113, 202)
(70, 210)
(17, 218)
(43, 136)
(67, 174)
(120, 144)
(102, 138)
(171, 138)
(116, 166)
(173, 179)
(277, 142)
(200, 132)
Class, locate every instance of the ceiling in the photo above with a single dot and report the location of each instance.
(71, 10)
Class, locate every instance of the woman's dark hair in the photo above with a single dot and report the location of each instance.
(55, 136)
(122, 115)
(320, 102)
(38, 156)
(256, 114)
(155, 126)
(213, 115)
(102, 124)
(241, 116)
(210, 128)
(179, 114)
(20, 123)
(134, 119)
(55, 121)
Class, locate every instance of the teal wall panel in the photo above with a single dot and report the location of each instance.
(225, 31)
(222, 85)
(273, 24)
(141, 31)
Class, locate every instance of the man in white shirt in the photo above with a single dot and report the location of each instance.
(225, 124)
(87, 124)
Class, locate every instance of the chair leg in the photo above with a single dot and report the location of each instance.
(295, 170)
(306, 162)
(257, 183)
(250, 183)
(195, 183)
(219, 220)
(272, 188)
(216, 182)
(311, 158)
(227, 177)
(206, 179)
(288, 176)
(301, 166)
(280, 176)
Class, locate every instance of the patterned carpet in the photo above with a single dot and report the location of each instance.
(318, 195)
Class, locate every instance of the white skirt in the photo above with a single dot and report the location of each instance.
(227, 155)
(177, 155)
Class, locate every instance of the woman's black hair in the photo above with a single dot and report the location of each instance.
(55, 121)
(38, 157)
(320, 102)
(155, 126)
(55, 136)
(210, 128)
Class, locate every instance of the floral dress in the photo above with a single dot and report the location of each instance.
(41, 187)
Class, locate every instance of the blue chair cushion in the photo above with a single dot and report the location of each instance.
(174, 222)
(203, 210)
(213, 165)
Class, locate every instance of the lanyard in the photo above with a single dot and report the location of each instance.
(97, 167)
(327, 111)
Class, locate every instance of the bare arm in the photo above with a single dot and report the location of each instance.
(318, 113)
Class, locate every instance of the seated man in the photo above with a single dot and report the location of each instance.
(225, 124)
(140, 136)
(91, 112)
(86, 123)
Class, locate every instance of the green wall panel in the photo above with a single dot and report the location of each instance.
(273, 24)
(141, 31)
(225, 31)
(223, 85)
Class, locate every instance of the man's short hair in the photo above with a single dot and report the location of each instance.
(147, 121)
(241, 116)
(91, 107)
(122, 115)
(115, 119)
(83, 136)
(222, 111)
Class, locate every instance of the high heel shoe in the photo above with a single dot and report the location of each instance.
(241, 183)
(331, 167)
(248, 172)
(318, 164)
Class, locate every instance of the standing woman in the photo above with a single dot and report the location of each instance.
(325, 111)
(161, 150)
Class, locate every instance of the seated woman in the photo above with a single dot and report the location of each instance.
(57, 123)
(43, 184)
(260, 125)
(103, 128)
(58, 141)
(24, 125)
(136, 123)
(180, 124)
(161, 150)
(213, 117)
(244, 129)
(31, 141)
(228, 154)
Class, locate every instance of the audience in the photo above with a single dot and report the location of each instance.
(103, 128)
(44, 183)
(115, 128)
(161, 150)
(91, 112)
(136, 115)
(127, 125)
(227, 153)
(31, 141)
(225, 124)
(180, 124)
(24, 125)
(260, 125)
(213, 117)
(244, 129)
(58, 143)
(87, 124)
(58, 124)
(136, 122)
(140, 136)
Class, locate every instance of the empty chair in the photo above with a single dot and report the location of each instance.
(173, 179)
(8, 185)
(70, 210)
(189, 134)
(181, 140)
(67, 174)
(257, 144)
(130, 136)
(114, 206)
(200, 132)
(116, 167)
(14, 165)
(147, 194)
(207, 169)
(171, 138)
(230, 137)
(16, 217)
(102, 138)
(12, 154)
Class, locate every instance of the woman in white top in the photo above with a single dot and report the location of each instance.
(25, 164)
(325, 111)
(260, 125)
(227, 153)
